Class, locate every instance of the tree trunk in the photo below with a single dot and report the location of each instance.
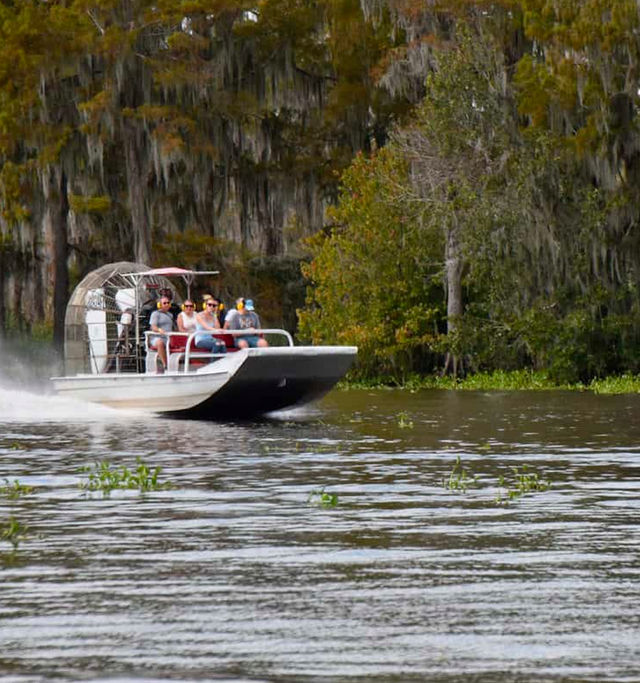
(55, 275)
(453, 275)
(3, 312)
(60, 260)
(137, 206)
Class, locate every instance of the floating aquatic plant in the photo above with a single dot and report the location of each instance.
(105, 478)
(458, 479)
(13, 531)
(322, 498)
(404, 421)
(521, 482)
(15, 490)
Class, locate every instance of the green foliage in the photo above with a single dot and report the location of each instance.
(520, 163)
(321, 498)
(15, 490)
(104, 478)
(499, 380)
(458, 479)
(622, 384)
(520, 483)
(495, 380)
(404, 421)
(374, 276)
(13, 531)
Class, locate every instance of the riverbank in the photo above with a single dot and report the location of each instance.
(499, 380)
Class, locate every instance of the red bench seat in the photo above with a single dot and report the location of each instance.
(178, 343)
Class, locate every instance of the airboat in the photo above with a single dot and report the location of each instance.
(108, 359)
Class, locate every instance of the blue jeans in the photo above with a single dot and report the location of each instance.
(209, 343)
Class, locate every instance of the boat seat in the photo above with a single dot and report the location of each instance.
(229, 341)
(177, 350)
(178, 342)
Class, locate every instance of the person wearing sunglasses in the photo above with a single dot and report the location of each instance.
(207, 322)
(187, 317)
(161, 323)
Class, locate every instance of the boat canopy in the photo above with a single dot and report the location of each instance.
(187, 275)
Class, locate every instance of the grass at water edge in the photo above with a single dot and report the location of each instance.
(499, 380)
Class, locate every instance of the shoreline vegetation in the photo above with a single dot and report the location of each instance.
(498, 380)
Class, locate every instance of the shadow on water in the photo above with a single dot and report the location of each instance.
(239, 572)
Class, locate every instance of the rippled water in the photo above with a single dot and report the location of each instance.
(238, 573)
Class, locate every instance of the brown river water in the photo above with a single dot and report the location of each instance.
(240, 573)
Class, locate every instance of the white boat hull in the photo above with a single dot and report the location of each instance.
(244, 383)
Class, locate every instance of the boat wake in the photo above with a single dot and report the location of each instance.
(25, 393)
(17, 405)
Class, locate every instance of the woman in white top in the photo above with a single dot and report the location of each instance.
(187, 319)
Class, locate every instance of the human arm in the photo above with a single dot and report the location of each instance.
(204, 323)
(229, 323)
(159, 321)
(153, 323)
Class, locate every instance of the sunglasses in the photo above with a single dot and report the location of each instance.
(165, 303)
(213, 305)
(188, 305)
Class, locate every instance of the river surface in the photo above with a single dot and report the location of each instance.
(328, 543)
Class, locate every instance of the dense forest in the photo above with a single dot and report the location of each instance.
(454, 182)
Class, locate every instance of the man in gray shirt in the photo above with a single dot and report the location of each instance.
(161, 322)
(245, 318)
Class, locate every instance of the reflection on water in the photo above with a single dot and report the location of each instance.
(235, 574)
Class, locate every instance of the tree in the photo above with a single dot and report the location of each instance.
(37, 43)
(374, 275)
(224, 118)
(457, 144)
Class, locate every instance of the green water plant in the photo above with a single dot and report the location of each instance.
(15, 490)
(105, 478)
(404, 421)
(322, 498)
(520, 483)
(458, 479)
(13, 532)
(621, 384)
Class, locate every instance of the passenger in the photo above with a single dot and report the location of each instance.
(207, 321)
(148, 307)
(231, 315)
(161, 322)
(174, 309)
(187, 317)
(245, 318)
(222, 311)
(205, 298)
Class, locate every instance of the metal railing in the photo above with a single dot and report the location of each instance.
(191, 350)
